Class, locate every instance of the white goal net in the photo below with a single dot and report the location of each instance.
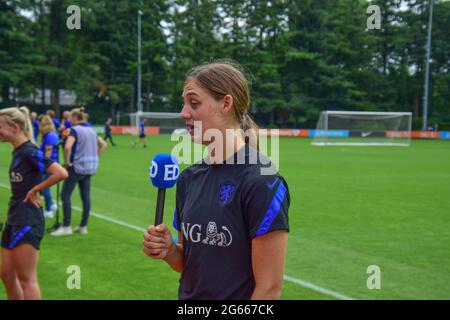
(362, 128)
(166, 121)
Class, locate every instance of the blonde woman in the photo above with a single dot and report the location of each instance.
(49, 147)
(81, 154)
(24, 227)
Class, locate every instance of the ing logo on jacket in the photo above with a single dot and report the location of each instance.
(212, 237)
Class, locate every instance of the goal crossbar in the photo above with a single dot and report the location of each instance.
(363, 128)
(156, 115)
(368, 113)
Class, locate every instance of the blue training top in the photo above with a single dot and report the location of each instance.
(67, 124)
(50, 140)
(35, 124)
(56, 123)
(142, 127)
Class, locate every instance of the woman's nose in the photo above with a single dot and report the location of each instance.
(185, 114)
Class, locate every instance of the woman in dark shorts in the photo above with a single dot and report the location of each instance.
(24, 227)
(142, 137)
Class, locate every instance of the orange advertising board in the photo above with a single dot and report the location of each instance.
(133, 130)
(425, 134)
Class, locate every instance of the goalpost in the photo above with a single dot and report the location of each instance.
(166, 121)
(362, 128)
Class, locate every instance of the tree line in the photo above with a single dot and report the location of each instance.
(301, 56)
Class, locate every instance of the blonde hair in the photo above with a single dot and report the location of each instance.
(46, 125)
(79, 114)
(51, 113)
(226, 77)
(19, 116)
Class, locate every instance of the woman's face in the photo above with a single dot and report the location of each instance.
(73, 120)
(7, 131)
(200, 111)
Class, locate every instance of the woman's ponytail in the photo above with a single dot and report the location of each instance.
(27, 127)
(250, 131)
(79, 114)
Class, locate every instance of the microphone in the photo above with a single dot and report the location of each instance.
(164, 172)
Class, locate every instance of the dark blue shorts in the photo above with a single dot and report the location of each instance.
(142, 135)
(13, 236)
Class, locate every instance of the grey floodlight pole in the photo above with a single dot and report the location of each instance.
(427, 69)
(138, 98)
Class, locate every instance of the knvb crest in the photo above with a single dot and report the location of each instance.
(226, 193)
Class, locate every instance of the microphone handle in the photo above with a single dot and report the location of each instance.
(160, 206)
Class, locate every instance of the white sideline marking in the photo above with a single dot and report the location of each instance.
(314, 287)
(103, 217)
(299, 282)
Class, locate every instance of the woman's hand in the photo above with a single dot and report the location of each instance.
(34, 197)
(68, 165)
(57, 173)
(158, 242)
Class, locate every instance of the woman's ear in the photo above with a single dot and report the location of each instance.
(227, 104)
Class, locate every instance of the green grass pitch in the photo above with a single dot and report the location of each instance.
(351, 207)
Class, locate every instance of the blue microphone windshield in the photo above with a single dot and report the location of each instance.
(164, 171)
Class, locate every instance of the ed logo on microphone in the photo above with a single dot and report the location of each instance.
(164, 172)
(171, 171)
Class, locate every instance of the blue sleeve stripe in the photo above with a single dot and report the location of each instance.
(40, 159)
(19, 235)
(272, 211)
(175, 220)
